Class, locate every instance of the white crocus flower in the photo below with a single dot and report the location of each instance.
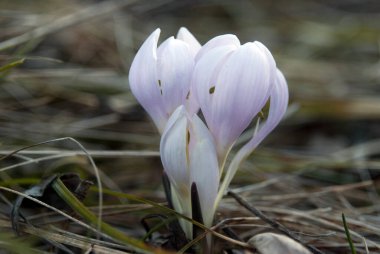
(188, 155)
(278, 104)
(160, 77)
(232, 83)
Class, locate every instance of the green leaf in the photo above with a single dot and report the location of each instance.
(78, 207)
(352, 247)
(12, 65)
(15, 245)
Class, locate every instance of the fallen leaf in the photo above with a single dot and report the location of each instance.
(271, 243)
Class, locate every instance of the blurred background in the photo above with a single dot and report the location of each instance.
(65, 74)
(76, 55)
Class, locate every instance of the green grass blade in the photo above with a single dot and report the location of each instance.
(352, 247)
(12, 65)
(78, 207)
(171, 211)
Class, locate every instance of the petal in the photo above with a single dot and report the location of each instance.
(204, 167)
(272, 64)
(177, 114)
(218, 41)
(191, 103)
(204, 77)
(173, 152)
(240, 93)
(182, 204)
(143, 80)
(174, 69)
(186, 36)
(278, 105)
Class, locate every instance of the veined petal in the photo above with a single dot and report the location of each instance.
(143, 80)
(204, 77)
(272, 64)
(218, 41)
(186, 36)
(180, 112)
(278, 105)
(174, 68)
(191, 102)
(160, 77)
(240, 92)
(189, 156)
(203, 167)
(173, 151)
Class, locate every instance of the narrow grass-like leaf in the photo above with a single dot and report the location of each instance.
(192, 243)
(78, 207)
(12, 65)
(14, 245)
(352, 247)
(150, 230)
(20, 181)
(171, 211)
(91, 160)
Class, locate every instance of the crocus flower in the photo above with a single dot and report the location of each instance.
(188, 155)
(279, 97)
(160, 77)
(232, 83)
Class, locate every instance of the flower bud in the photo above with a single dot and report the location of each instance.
(160, 77)
(188, 155)
(232, 84)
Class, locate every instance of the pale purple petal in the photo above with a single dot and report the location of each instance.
(240, 92)
(174, 152)
(143, 80)
(278, 105)
(272, 64)
(189, 156)
(186, 36)
(191, 102)
(218, 41)
(204, 167)
(174, 68)
(204, 77)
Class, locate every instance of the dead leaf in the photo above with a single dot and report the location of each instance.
(271, 243)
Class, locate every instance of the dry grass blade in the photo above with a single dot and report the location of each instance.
(272, 223)
(94, 154)
(84, 244)
(82, 15)
(113, 232)
(95, 168)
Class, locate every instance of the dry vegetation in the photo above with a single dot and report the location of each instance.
(64, 67)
